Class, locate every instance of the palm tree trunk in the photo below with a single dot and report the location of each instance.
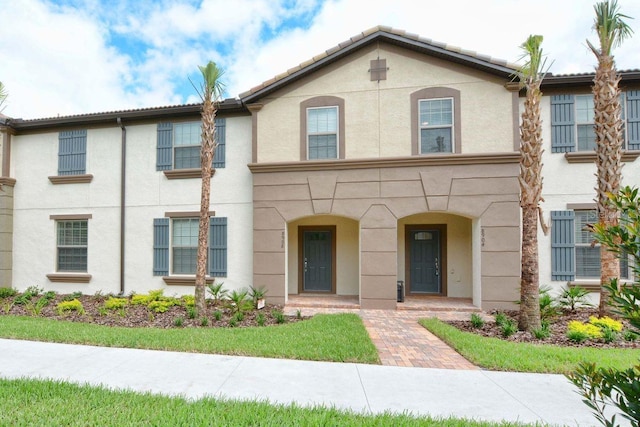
(529, 318)
(608, 129)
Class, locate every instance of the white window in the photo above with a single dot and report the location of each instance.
(184, 245)
(436, 125)
(322, 133)
(586, 135)
(72, 245)
(186, 146)
(588, 250)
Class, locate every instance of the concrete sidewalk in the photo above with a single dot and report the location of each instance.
(482, 395)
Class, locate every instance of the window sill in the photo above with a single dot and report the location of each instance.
(184, 280)
(185, 173)
(590, 156)
(69, 277)
(9, 182)
(71, 179)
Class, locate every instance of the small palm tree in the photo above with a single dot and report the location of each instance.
(531, 75)
(210, 92)
(612, 30)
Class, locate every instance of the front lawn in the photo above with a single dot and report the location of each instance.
(52, 403)
(336, 338)
(500, 355)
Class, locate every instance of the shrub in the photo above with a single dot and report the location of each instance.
(548, 305)
(542, 333)
(204, 321)
(189, 300)
(629, 335)
(69, 306)
(279, 316)
(260, 319)
(34, 291)
(191, 312)
(233, 322)
(178, 321)
(115, 303)
(501, 318)
(577, 336)
(160, 306)
(573, 297)
(609, 335)
(606, 323)
(71, 297)
(139, 299)
(476, 320)
(509, 328)
(36, 309)
(218, 293)
(238, 301)
(217, 315)
(257, 294)
(591, 331)
(7, 292)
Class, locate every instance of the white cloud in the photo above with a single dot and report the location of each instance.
(60, 60)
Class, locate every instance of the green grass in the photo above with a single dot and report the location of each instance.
(52, 403)
(500, 355)
(336, 338)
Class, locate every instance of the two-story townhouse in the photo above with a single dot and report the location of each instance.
(388, 158)
(109, 202)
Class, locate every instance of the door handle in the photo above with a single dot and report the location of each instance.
(437, 268)
(305, 264)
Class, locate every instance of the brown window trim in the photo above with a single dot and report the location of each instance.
(321, 101)
(434, 93)
(69, 277)
(186, 214)
(590, 156)
(184, 280)
(70, 217)
(71, 179)
(185, 173)
(9, 182)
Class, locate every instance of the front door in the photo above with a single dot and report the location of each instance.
(317, 261)
(425, 261)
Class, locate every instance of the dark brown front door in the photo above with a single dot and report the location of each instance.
(426, 267)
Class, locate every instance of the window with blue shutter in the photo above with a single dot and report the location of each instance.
(178, 145)
(562, 245)
(218, 247)
(633, 119)
(161, 247)
(72, 152)
(562, 124)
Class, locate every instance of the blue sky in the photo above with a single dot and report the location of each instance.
(62, 57)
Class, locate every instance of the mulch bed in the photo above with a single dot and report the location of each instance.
(140, 316)
(558, 328)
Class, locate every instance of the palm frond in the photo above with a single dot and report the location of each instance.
(610, 26)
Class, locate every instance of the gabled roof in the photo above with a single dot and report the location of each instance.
(388, 35)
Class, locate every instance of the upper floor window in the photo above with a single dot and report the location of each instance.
(322, 128)
(572, 122)
(322, 133)
(435, 121)
(178, 147)
(186, 150)
(436, 125)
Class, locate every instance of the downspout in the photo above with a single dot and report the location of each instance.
(123, 164)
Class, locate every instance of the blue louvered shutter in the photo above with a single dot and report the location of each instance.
(72, 152)
(218, 247)
(164, 160)
(562, 124)
(161, 247)
(219, 159)
(633, 119)
(562, 245)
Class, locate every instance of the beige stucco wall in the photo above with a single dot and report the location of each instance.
(459, 251)
(347, 253)
(377, 114)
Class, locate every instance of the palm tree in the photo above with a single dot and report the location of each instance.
(210, 92)
(3, 95)
(530, 76)
(612, 30)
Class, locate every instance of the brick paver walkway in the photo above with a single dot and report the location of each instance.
(401, 340)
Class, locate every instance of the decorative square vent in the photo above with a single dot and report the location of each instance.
(378, 70)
